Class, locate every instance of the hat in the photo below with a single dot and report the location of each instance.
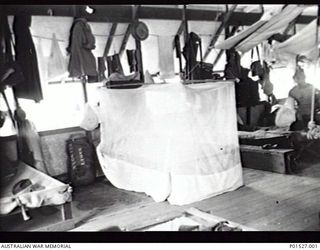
(140, 31)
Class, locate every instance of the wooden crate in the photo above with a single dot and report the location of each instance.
(273, 160)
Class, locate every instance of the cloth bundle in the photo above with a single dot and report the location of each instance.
(286, 115)
(57, 64)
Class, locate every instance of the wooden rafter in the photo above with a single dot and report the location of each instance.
(125, 39)
(110, 39)
(220, 29)
(179, 32)
(128, 30)
(121, 13)
(216, 60)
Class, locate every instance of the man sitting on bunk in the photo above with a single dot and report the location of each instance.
(302, 94)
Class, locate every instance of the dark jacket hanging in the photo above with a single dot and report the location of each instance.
(190, 52)
(82, 42)
(26, 57)
(5, 42)
(233, 67)
(247, 90)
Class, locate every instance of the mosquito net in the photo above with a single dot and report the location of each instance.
(170, 141)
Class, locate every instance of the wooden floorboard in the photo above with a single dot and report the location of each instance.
(271, 215)
(133, 219)
(269, 187)
(268, 202)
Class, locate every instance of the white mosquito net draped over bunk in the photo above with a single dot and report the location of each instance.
(170, 141)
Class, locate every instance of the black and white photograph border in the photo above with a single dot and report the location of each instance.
(166, 122)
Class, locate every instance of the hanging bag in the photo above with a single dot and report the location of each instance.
(57, 64)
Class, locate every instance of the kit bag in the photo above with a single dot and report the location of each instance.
(81, 169)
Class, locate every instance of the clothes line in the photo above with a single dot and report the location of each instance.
(209, 35)
(118, 35)
(47, 38)
(60, 40)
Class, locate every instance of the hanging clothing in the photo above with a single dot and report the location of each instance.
(5, 40)
(117, 64)
(82, 42)
(26, 57)
(101, 69)
(190, 52)
(197, 70)
(247, 90)
(233, 67)
(263, 72)
(166, 63)
(10, 71)
(57, 63)
(114, 64)
(132, 60)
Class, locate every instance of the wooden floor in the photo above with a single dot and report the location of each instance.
(268, 202)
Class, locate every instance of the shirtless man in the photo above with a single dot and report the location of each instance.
(302, 94)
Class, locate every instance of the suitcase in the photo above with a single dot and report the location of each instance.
(81, 170)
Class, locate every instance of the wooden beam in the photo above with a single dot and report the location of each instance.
(125, 39)
(179, 32)
(122, 13)
(185, 22)
(216, 60)
(198, 15)
(110, 39)
(220, 29)
(138, 43)
(133, 17)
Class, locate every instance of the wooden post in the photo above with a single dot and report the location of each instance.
(216, 60)
(110, 39)
(125, 39)
(84, 86)
(66, 212)
(139, 59)
(223, 24)
(185, 23)
(179, 32)
(186, 36)
(138, 44)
